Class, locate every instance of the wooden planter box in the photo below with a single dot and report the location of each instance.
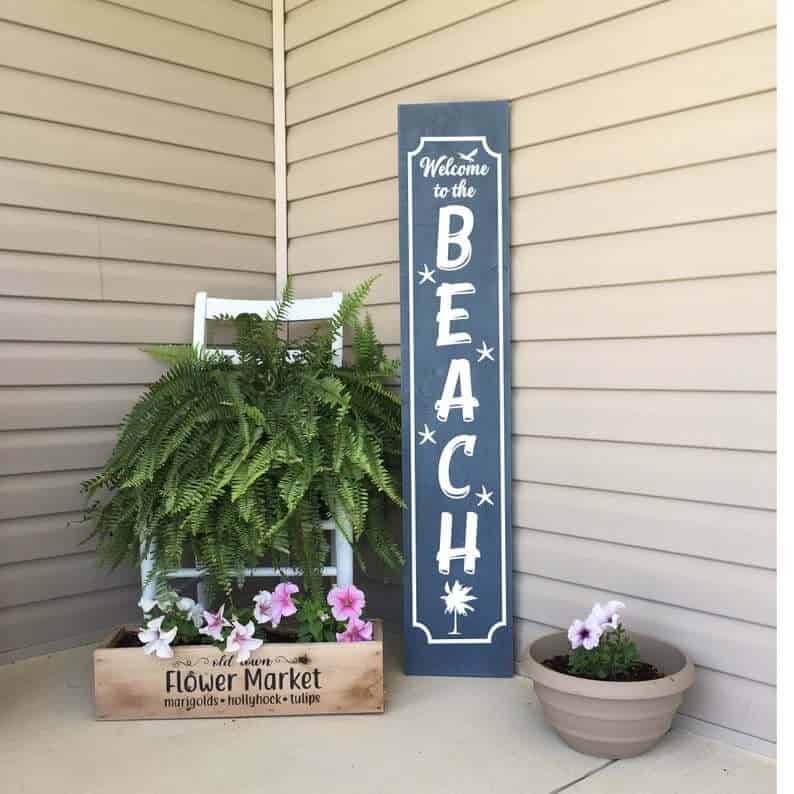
(202, 681)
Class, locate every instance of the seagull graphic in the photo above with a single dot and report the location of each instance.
(469, 158)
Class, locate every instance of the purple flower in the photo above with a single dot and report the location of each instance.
(356, 631)
(262, 609)
(585, 633)
(281, 605)
(215, 624)
(346, 602)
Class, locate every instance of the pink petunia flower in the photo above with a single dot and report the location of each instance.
(262, 608)
(586, 633)
(281, 605)
(346, 602)
(356, 631)
(215, 624)
(242, 641)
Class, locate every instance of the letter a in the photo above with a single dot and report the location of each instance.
(460, 238)
(459, 370)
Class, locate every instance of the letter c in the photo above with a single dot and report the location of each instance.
(467, 442)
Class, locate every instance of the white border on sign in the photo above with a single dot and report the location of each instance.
(502, 485)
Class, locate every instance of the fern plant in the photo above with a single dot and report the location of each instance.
(243, 460)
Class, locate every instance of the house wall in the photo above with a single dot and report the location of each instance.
(643, 257)
(136, 167)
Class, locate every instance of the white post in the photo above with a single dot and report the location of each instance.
(201, 593)
(148, 584)
(200, 320)
(343, 552)
(339, 339)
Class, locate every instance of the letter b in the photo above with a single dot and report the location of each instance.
(460, 238)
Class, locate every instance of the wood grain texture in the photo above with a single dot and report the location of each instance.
(699, 192)
(88, 150)
(71, 616)
(48, 276)
(286, 678)
(75, 61)
(716, 131)
(136, 151)
(694, 419)
(643, 258)
(65, 190)
(554, 64)
(157, 37)
(739, 304)
(484, 37)
(26, 495)
(59, 577)
(328, 37)
(739, 535)
(46, 407)
(654, 363)
(69, 364)
(84, 106)
(734, 591)
(43, 537)
(81, 321)
(236, 20)
(743, 479)
(32, 451)
(309, 21)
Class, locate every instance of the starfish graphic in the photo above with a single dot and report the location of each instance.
(427, 435)
(425, 274)
(484, 351)
(484, 497)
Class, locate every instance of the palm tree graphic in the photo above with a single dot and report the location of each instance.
(457, 600)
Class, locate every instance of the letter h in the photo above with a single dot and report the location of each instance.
(469, 553)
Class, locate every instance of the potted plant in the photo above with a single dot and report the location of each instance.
(605, 692)
(233, 461)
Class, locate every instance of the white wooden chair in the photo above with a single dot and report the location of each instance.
(302, 310)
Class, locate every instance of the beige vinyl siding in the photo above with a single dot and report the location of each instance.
(136, 167)
(643, 258)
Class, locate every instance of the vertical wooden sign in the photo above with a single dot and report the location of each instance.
(455, 312)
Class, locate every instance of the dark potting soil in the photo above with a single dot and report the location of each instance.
(128, 640)
(642, 671)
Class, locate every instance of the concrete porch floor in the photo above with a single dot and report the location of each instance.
(438, 735)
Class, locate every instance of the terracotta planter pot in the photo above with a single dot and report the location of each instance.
(607, 718)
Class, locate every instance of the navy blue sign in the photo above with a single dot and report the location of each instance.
(455, 311)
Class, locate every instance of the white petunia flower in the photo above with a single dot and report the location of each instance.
(194, 611)
(147, 604)
(607, 616)
(585, 633)
(242, 641)
(156, 640)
